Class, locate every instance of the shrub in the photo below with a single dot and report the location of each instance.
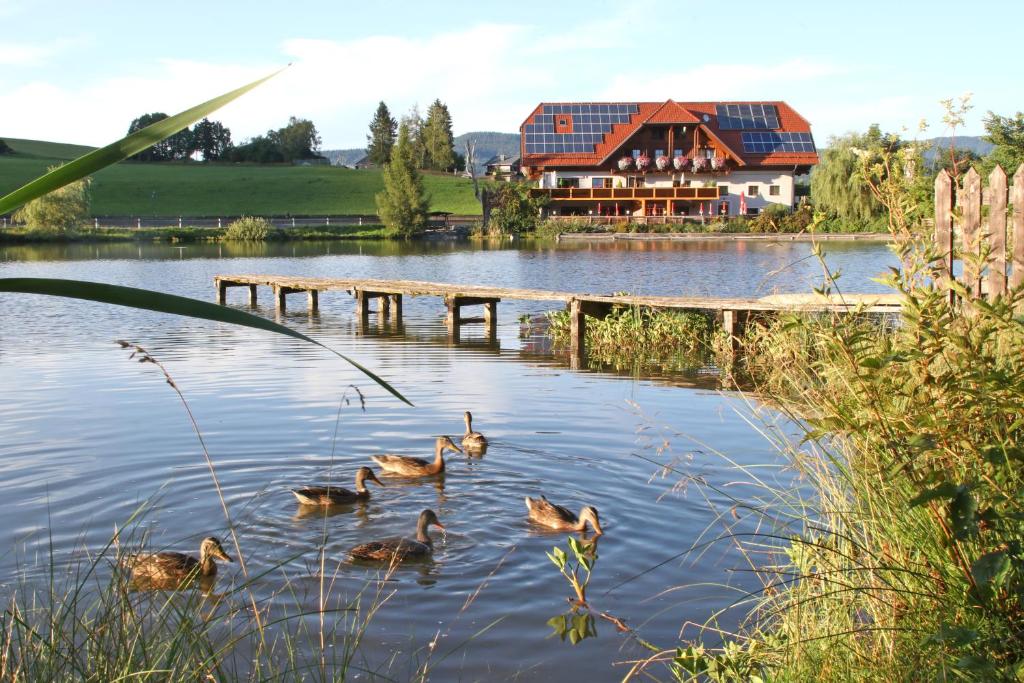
(249, 229)
(513, 210)
(62, 210)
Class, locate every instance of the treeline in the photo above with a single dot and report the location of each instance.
(431, 142)
(840, 184)
(211, 141)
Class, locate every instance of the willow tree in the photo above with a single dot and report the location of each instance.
(838, 185)
(63, 209)
(403, 203)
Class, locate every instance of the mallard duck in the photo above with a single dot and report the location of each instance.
(473, 440)
(554, 516)
(170, 566)
(416, 467)
(401, 548)
(336, 495)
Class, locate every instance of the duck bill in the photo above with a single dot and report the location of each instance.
(374, 479)
(438, 524)
(454, 447)
(221, 555)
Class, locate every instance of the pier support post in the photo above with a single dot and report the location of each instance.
(280, 298)
(452, 318)
(252, 296)
(396, 309)
(733, 324)
(491, 318)
(384, 308)
(577, 335)
(313, 299)
(222, 291)
(362, 307)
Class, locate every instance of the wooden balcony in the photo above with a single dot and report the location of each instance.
(627, 193)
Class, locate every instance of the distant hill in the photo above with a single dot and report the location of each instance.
(488, 144)
(343, 157)
(972, 142)
(39, 149)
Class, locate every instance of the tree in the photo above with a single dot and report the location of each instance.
(298, 140)
(403, 203)
(260, 150)
(63, 209)
(512, 209)
(381, 140)
(178, 146)
(212, 139)
(419, 149)
(438, 139)
(1007, 134)
(838, 185)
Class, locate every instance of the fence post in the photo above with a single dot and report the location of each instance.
(360, 220)
(218, 222)
(179, 222)
(971, 228)
(996, 276)
(328, 220)
(138, 223)
(95, 223)
(944, 230)
(293, 221)
(1017, 199)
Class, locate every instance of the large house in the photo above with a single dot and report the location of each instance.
(665, 158)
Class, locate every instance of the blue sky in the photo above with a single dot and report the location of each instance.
(80, 71)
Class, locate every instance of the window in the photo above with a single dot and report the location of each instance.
(773, 190)
(568, 182)
(751, 190)
(677, 152)
(659, 153)
(723, 190)
(636, 153)
(599, 183)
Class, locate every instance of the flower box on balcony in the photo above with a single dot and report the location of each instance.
(680, 163)
(625, 162)
(643, 162)
(699, 164)
(662, 162)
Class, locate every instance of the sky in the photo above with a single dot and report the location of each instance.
(80, 71)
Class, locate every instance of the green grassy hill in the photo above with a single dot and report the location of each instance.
(174, 189)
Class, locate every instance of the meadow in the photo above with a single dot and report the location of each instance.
(196, 190)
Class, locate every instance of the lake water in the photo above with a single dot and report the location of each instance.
(85, 435)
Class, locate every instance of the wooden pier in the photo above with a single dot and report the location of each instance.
(731, 313)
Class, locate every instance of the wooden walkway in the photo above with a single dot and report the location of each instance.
(731, 313)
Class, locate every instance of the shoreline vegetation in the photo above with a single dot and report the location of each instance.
(186, 233)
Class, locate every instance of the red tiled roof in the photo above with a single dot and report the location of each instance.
(671, 111)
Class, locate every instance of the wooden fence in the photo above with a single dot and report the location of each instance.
(983, 240)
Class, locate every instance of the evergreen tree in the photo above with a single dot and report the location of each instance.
(381, 139)
(437, 137)
(1007, 134)
(419, 149)
(403, 203)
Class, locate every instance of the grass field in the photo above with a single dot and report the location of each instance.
(174, 189)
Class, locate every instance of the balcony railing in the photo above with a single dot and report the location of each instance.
(613, 193)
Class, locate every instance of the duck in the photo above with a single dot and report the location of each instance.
(169, 566)
(544, 512)
(336, 495)
(417, 467)
(400, 549)
(472, 440)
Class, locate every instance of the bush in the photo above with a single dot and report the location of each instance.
(512, 209)
(249, 229)
(62, 210)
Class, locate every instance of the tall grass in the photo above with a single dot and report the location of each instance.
(900, 556)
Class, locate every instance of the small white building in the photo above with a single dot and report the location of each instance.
(672, 159)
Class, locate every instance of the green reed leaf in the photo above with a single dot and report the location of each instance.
(120, 150)
(160, 302)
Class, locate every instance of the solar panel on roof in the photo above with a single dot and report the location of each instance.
(747, 116)
(756, 142)
(590, 123)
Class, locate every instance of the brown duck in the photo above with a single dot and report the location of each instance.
(400, 549)
(472, 440)
(544, 512)
(167, 567)
(417, 467)
(336, 495)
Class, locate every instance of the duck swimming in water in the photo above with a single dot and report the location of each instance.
(544, 512)
(472, 440)
(401, 549)
(165, 567)
(336, 495)
(417, 467)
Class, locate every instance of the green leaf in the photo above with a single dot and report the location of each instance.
(120, 150)
(946, 490)
(952, 635)
(963, 514)
(990, 570)
(167, 303)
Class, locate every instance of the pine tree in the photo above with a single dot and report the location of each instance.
(403, 203)
(419, 149)
(381, 139)
(437, 137)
